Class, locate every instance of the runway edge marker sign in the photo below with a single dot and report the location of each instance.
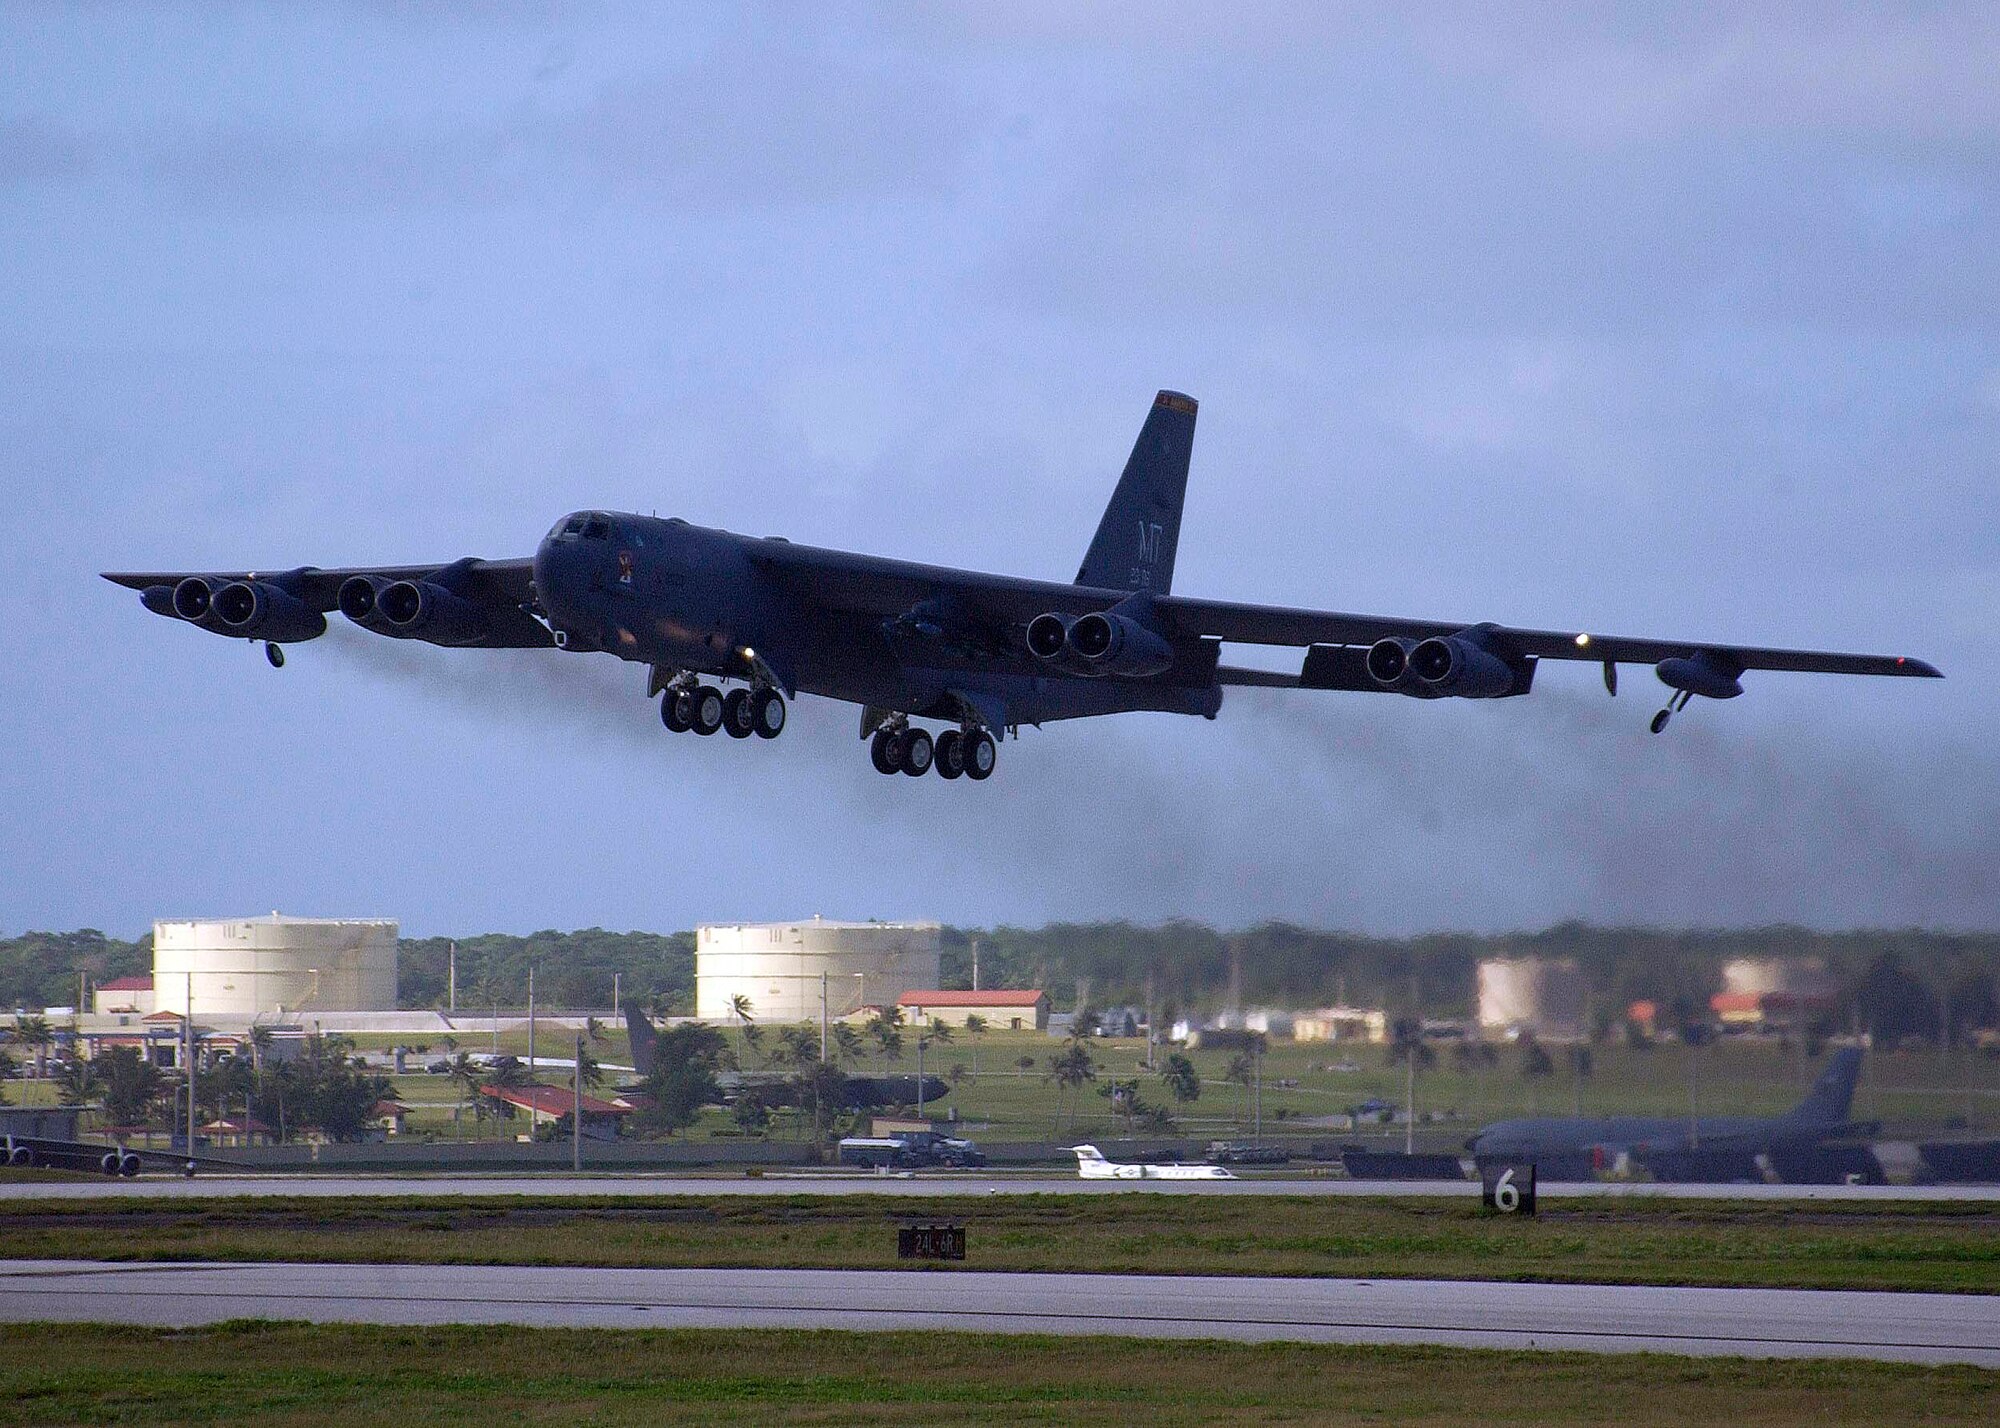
(1507, 1187)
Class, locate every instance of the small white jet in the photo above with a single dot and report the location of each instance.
(1091, 1165)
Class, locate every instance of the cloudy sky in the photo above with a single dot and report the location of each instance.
(1680, 327)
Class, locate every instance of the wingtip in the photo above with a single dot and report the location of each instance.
(1176, 401)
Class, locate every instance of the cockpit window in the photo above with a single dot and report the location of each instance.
(596, 528)
(570, 527)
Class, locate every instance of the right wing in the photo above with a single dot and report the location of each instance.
(487, 604)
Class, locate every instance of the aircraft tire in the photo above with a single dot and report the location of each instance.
(980, 755)
(705, 710)
(918, 751)
(21, 1155)
(737, 719)
(882, 753)
(128, 1165)
(672, 714)
(768, 713)
(949, 757)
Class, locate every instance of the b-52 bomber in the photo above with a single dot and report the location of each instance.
(980, 654)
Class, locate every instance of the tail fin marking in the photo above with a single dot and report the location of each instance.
(1141, 528)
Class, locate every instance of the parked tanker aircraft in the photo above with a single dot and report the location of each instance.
(1579, 1147)
(1091, 1165)
(982, 654)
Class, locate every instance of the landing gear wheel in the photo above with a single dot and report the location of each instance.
(767, 713)
(980, 755)
(918, 752)
(275, 654)
(1660, 720)
(737, 720)
(705, 710)
(673, 712)
(883, 752)
(949, 760)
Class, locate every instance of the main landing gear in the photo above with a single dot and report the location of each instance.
(901, 748)
(704, 709)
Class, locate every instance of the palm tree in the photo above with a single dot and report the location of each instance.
(753, 1039)
(261, 1039)
(1070, 1068)
(593, 1029)
(587, 1070)
(887, 1037)
(33, 1032)
(847, 1045)
(975, 1027)
(1242, 1070)
(467, 1076)
(740, 1007)
(1182, 1082)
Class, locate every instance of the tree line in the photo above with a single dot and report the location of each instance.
(1894, 983)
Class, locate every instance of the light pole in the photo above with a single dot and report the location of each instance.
(576, 1112)
(1410, 1096)
(531, 1020)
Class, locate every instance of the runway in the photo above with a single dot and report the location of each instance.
(1777, 1323)
(206, 1186)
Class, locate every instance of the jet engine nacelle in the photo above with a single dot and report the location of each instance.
(1701, 673)
(1105, 642)
(257, 609)
(425, 610)
(193, 600)
(358, 600)
(1388, 664)
(1048, 636)
(1461, 667)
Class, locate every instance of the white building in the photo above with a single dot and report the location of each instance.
(780, 967)
(258, 966)
(1541, 996)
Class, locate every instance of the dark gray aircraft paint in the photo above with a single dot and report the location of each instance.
(1707, 1147)
(981, 654)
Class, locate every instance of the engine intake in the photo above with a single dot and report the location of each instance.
(257, 609)
(1110, 643)
(1389, 661)
(1048, 636)
(425, 610)
(193, 599)
(1462, 667)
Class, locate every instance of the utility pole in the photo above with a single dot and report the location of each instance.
(451, 977)
(617, 998)
(531, 1020)
(576, 1112)
(1257, 1060)
(975, 964)
(822, 1014)
(187, 1031)
(920, 1073)
(1410, 1097)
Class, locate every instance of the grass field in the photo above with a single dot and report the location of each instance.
(1939, 1247)
(1911, 1093)
(286, 1374)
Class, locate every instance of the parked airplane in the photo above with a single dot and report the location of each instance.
(1091, 1165)
(983, 654)
(1575, 1148)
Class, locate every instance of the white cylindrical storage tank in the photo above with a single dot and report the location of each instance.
(778, 967)
(253, 966)
(1541, 995)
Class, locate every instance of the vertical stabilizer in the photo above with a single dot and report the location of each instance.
(1832, 1095)
(1136, 540)
(645, 1036)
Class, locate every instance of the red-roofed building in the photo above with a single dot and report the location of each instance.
(548, 1104)
(1002, 1011)
(124, 996)
(238, 1129)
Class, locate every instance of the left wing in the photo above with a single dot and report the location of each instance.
(1379, 653)
(484, 603)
